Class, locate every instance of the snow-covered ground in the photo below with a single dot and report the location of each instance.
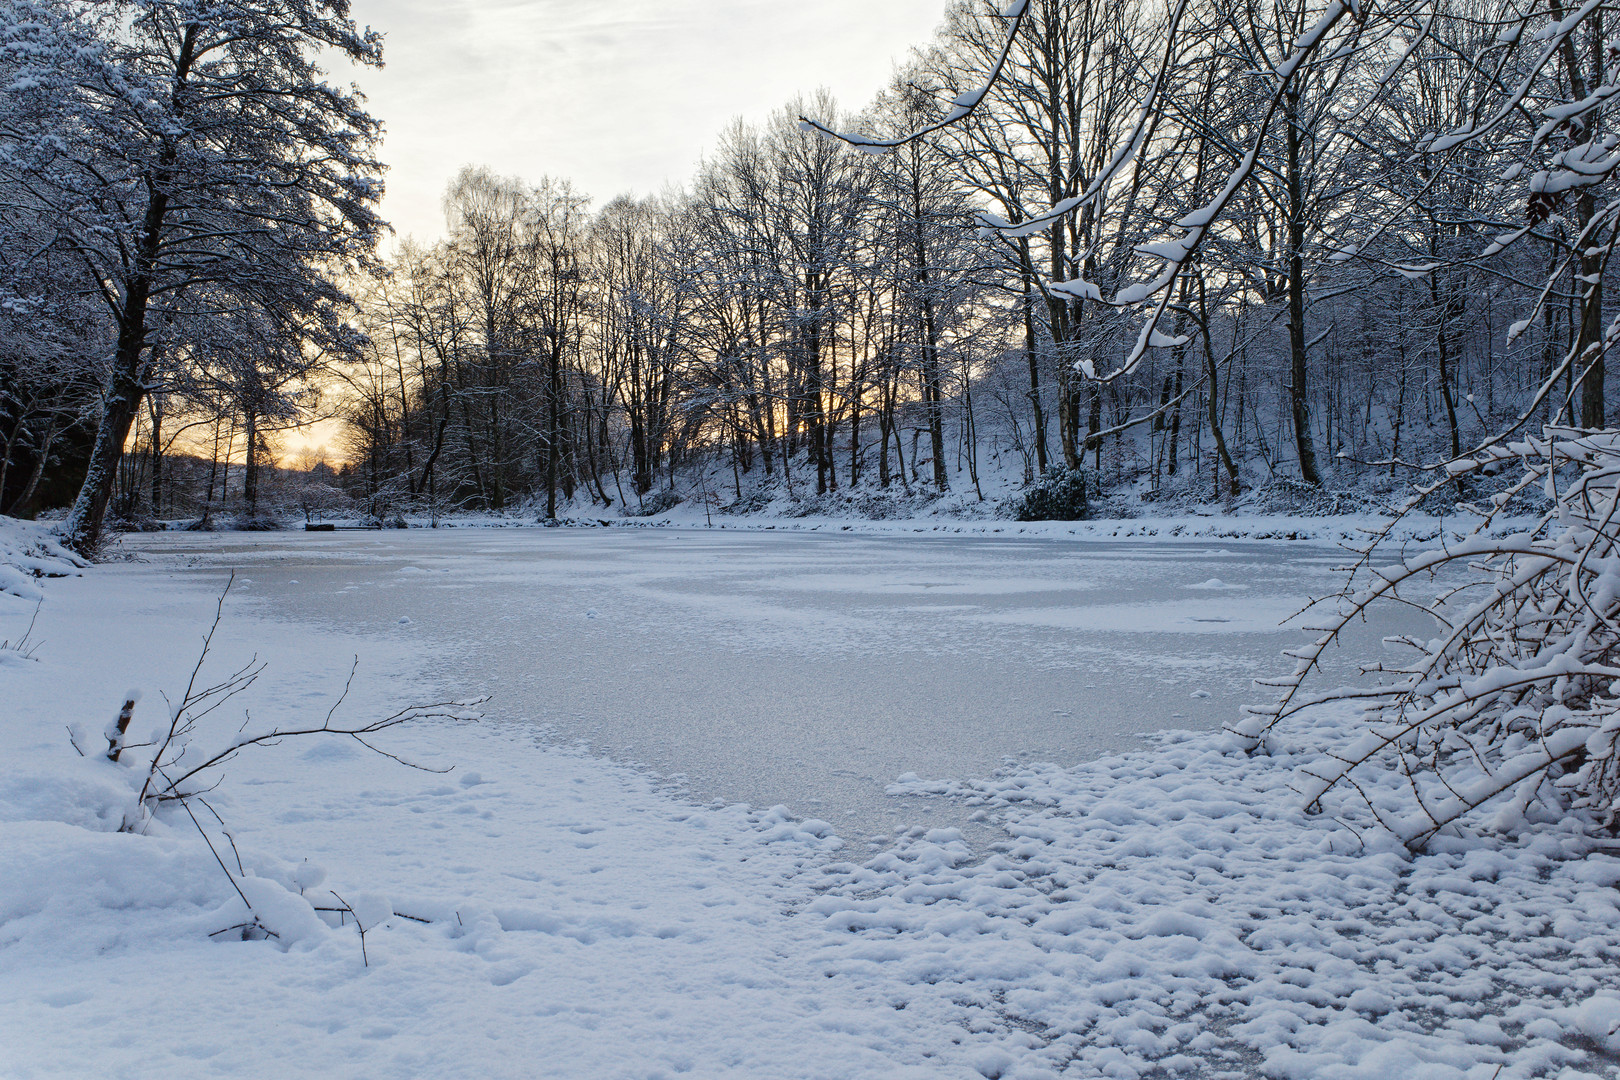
(1168, 911)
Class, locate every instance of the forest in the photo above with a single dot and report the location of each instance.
(809, 314)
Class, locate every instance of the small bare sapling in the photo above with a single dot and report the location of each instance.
(25, 646)
(178, 766)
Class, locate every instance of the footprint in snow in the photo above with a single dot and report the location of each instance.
(404, 620)
(1200, 693)
(591, 615)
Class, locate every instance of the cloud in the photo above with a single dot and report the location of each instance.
(621, 97)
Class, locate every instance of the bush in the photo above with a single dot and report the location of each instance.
(659, 502)
(1058, 496)
(247, 523)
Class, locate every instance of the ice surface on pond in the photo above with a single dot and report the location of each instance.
(810, 669)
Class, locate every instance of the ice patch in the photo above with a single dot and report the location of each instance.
(1215, 584)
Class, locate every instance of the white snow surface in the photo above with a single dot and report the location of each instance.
(29, 552)
(539, 911)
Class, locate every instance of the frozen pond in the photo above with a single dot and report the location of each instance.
(811, 668)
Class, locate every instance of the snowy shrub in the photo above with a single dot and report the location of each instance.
(1516, 699)
(1058, 496)
(755, 502)
(246, 523)
(1283, 495)
(315, 500)
(659, 502)
(136, 524)
(23, 647)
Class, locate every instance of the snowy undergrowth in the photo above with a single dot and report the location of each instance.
(1350, 530)
(1174, 912)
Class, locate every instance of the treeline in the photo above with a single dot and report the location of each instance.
(813, 316)
(1191, 249)
(799, 313)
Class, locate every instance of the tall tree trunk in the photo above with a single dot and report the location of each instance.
(1068, 415)
(1175, 411)
(1589, 288)
(1298, 371)
(553, 431)
(250, 469)
(154, 409)
(1223, 454)
(1032, 357)
(119, 406)
(1442, 342)
(127, 383)
(12, 441)
(21, 506)
(1589, 347)
(885, 429)
(934, 399)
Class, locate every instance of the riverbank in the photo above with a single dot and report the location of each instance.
(1345, 530)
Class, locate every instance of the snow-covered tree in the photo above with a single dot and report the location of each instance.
(198, 164)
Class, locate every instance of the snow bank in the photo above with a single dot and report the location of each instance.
(536, 905)
(28, 552)
(71, 895)
(1341, 530)
(1174, 911)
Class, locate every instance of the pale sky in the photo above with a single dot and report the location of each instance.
(614, 96)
